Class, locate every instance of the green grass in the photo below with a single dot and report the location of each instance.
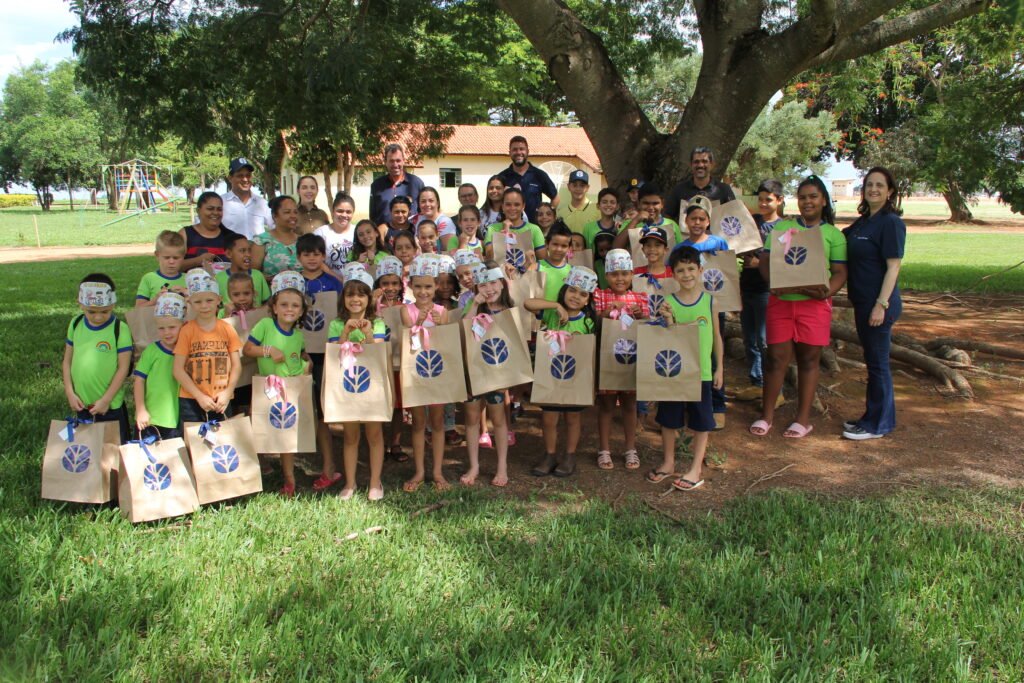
(63, 227)
(954, 262)
(920, 586)
(985, 209)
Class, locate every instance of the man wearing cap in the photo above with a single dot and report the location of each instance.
(532, 181)
(244, 212)
(395, 183)
(700, 182)
(580, 209)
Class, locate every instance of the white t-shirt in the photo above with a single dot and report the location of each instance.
(339, 246)
(249, 218)
(445, 226)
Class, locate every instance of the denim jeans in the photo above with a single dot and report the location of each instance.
(880, 404)
(752, 319)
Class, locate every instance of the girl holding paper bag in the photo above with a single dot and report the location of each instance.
(572, 313)
(390, 294)
(356, 325)
(800, 320)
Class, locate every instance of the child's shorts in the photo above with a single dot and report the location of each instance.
(562, 409)
(163, 432)
(805, 322)
(119, 415)
(696, 415)
(189, 411)
(494, 398)
(242, 399)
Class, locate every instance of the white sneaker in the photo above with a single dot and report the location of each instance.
(859, 434)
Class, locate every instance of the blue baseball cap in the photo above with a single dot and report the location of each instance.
(580, 176)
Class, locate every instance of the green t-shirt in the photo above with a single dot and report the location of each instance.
(577, 219)
(527, 235)
(337, 326)
(554, 278)
(155, 283)
(94, 357)
(156, 367)
(835, 247)
(667, 224)
(292, 344)
(581, 324)
(602, 279)
(260, 288)
(593, 229)
(698, 312)
(476, 245)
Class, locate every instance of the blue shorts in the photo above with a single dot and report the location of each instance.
(562, 409)
(698, 416)
(494, 398)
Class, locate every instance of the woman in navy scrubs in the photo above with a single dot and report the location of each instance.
(874, 248)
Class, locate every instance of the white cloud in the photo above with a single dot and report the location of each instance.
(28, 32)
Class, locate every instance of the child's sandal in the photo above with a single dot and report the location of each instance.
(604, 460)
(632, 460)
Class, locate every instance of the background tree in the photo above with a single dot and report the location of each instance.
(193, 169)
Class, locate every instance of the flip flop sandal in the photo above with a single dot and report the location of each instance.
(323, 482)
(604, 460)
(760, 428)
(798, 431)
(442, 485)
(657, 476)
(375, 494)
(632, 460)
(288, 490)
(687, 485)
(412, 486)
(397, 454)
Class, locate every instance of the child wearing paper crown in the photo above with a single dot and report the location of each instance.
(390, 292)
(155, 389)
(424, 313)
(279, 348)
(357, 324)
(691, 304)
(206, 360)
(573, 312)
(447, 294)
(623, 304)
(97, 355)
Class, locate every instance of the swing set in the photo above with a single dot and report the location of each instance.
(137, 187)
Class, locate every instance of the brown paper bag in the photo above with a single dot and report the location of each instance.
(392, 317)
(142, 322)
(722, 280)
(656, 291)
(801, 263)
(242, 322)
(668, 363)
(365, 393)
(284, 423)
(565, 378)
(77, 466)
(155, 482)
(582, 258)
(529, 285)
(434, 373)
(318, 319)
(733, 223)
(616, 364)
(497, 359)
(512, 250)
(224, 460)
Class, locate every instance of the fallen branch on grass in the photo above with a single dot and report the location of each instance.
(970, 345)
(434, 507)
(657, 509)
(773, 475)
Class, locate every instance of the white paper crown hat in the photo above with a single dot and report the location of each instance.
(199, 281)
(482, 274)
(96, 294)
(359, 275)
(170, 305)
(616, 260)
(352, 267)
(389, 265)
(424, 266)
(582, 278)
(445, 264)
(288, 279)
(466, 257)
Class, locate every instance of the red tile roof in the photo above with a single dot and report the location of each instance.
(543, 141)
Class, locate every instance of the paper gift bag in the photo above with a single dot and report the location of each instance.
(529, 285)
(242, 322)
(142, 322)
(637, 251)
(282, 414)
(154, 481)
(563, 372)
(616, 362)
(511, 248)
(392, 317)
(224, 460)
(797, 259)
(656, 291)
(496, 355)
(668, 363)
(582, 258)
(317, 319)
(358, 383)
(733, 223)
(79, 460)
(432, 371)
(721, 280)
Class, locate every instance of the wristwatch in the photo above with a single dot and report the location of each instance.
(883, 303)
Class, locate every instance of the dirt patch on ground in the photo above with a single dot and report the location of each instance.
(30, 254)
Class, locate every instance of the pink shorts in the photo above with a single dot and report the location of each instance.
(804, 322)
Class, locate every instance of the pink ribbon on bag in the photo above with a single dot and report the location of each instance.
(787, 237)
(424, 333)
(275, 382)
(242, 319)
(349, 351)
(615, 314)
(483, 320)
(561, 336)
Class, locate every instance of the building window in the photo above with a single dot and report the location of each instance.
(451, 177)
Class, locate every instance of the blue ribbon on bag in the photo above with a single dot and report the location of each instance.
(75, 421)
(651, 280)
(208, 426)
(660, 320)
(142, 443)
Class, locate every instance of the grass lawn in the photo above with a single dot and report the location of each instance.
(953, 262)
(63, 227)
(923, 585)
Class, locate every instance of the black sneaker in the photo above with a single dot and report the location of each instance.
(856, 433)
(848, 425)
(545, 466)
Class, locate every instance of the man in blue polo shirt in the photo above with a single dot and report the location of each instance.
(533, 181)
(395, 183)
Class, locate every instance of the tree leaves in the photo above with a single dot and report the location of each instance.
(76, 458)
(429, 364)
(563, 366)
(356, 380)
(283, 415)
(494, 351)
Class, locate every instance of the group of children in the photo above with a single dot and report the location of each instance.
(191, 372)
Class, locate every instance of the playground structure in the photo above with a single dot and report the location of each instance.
(136, 183)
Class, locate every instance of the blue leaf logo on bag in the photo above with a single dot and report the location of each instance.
(225, 458)
(313, 321)
(668, 363)
(516, 258)
(494, 351)
(356, 381)
(563, 366)
(714, 280)
(429, 364)
(731, 226)
(654, 302)
(625, 351)
(283, 415)
(156, 476)
(796, 255)
(76, 458)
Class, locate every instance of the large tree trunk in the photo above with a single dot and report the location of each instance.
(346, 170)
(274, 166)
(327, 186)
(959, 211)
(71, 196)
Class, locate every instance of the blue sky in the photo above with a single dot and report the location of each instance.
(28, 31)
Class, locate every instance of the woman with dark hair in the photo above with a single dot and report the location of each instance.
(490, 211)
(274, 251)
(204, 241)
(311, 216)
(874, 247)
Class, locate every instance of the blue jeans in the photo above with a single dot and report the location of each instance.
(754, 343)
(880, 404)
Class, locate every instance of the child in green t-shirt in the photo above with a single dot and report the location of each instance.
(170, 254)
(155, 389)
(238, 249)
(97, 355)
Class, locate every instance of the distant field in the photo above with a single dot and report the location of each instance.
(63, 227)
(954, 262)
(985, 209)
